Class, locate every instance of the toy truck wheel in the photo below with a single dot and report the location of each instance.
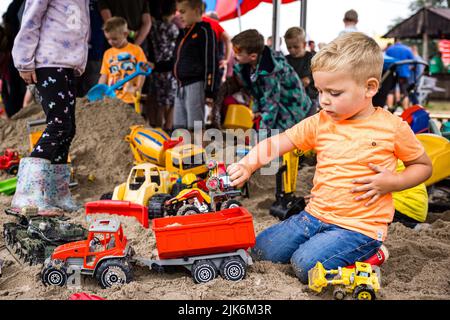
(13, 169)
(204, 271)
(54, 277)
(106, 196)
(187, 210)
(364, 293)
(231, 203)
(156, 205)
(113, 272)
(339, 294)
(233, 269)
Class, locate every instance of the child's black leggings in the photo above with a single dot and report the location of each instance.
(56, 88)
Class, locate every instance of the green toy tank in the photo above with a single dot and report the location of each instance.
(33, 237)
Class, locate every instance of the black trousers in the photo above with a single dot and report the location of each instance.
(56, 88)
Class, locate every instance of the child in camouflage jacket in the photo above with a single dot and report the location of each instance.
(278, 94)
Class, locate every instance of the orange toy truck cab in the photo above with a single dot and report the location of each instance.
(104, 255)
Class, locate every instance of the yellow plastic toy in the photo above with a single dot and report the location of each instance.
(154, 146)
(411, 202)
(137, 102)
(360, 280)
(144, 181)
(438, 149)
(238, 116)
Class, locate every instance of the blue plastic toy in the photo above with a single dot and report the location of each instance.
(99, 91)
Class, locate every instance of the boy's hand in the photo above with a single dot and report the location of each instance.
(239, 174)
(28, 76)
(383, 182)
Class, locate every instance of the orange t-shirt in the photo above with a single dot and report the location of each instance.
(118, 63)
(344, 150)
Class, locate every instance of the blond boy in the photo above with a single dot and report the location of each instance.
(121, 59)
(300, 60)
(357, 147)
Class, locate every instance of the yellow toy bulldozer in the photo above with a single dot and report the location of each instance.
(360, 280)
(154, 146)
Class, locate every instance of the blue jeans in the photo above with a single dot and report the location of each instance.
(303, 240)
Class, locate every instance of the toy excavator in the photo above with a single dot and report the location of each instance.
(287, 203)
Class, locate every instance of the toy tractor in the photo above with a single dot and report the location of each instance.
(154, 146)
(207, 245)
(195, 200)
(9, 161)
(360, 280)
(104, 255)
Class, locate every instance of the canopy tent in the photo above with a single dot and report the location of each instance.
(230, 9)
(426, 23)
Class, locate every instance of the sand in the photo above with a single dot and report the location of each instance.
(416, 269)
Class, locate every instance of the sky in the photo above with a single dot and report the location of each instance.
(324, 17)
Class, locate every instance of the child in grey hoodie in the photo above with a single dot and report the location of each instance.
(50, 50)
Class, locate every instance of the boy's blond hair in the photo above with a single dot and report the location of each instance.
(295, 32)
(115, 24)
(353, 52)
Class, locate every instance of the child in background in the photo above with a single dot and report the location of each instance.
(120, 60)
(357, 147)
(50, 50)
(300, 60)
(164, 34)
(278, 95)
(195, 65)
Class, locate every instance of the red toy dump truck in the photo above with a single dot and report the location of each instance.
(207, 245)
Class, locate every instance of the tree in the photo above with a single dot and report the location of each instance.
(418, 4)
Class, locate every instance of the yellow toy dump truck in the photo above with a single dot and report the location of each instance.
(360, 279)
(154, 146)
(146, 189)
(144, 181)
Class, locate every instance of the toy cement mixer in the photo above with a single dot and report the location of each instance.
(155, 146)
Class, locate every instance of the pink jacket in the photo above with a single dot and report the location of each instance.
(54, 33)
